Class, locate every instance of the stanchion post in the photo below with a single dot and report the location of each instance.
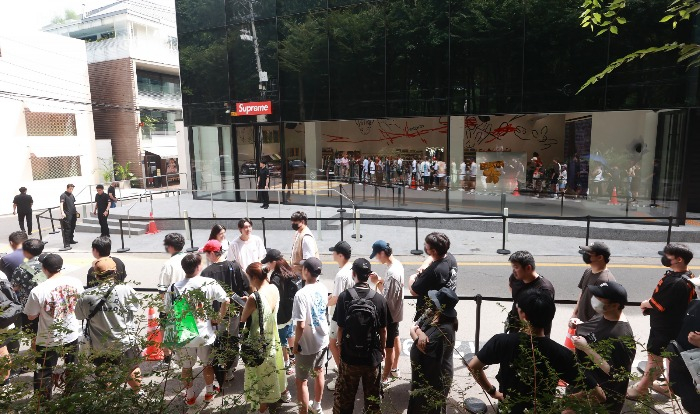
(264, 232)
(477, 333)
(341, 210)
(357, 236)
(561, 212)
(53, 227)
(38, 226)
(588, 229)
(341, 227)
(192, 248)
(121, 235)
(668, 235)
(503, 249)
(416, 251)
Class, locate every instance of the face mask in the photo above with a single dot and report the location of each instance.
(295, 226)
(666, 261)
(586, 258)
(597, 305)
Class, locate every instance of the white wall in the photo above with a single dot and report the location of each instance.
(44, 73)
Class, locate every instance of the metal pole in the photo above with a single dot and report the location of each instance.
(279, 204)
(264, 233)
(211, 198)
(668, 235)
(341, 226)
(246, 203)
(38, 225)
(479, 299)
(121, 234)
(503, 250)
(179, 211)
(53, 227)
(192, 248)
(318, 224)
(562, 204)
(416, 251)
(357, 236)
(588, 229)
(341, 210)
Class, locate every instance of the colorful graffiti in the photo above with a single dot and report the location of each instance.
(479, 133)
(391, 131)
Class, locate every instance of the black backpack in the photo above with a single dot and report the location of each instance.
(288, 288)
(360, 334)
(10, 308)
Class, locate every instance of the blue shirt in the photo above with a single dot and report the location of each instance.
(11, 261)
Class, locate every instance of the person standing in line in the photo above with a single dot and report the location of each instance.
(199, 347)
(246, 248)
(111, 329)
(267, 383)
(22, 206)
(666, 309)
(463, 175)
(264, 184)
(431, 355)
(343, 280)
(524, 278)
(372, 171)
(597, 257)
(473, 171)
(53, 303)
(688, 339)
(170, 272)
(101, 209)
(102, 247)
(310, 335)
(69, 216)
(414, 170)
(441, 272)
(365, 170)
(426, 167)
(218, 232)
(112, 193)
(27, 276)
(304, 246)
(362, 316)
(391, 287)
(12, 260)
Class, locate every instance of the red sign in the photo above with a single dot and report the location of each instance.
(253, 108)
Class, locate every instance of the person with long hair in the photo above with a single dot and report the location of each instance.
(434, 337)
(266, 383)
(218, 232)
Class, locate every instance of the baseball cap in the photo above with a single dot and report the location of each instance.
(342, 247)
(313, 265)
(104, 265)
(211, 246)
(445, 299)
(612, 291)
(378, 246)
(361, 266)
(52, 262)
(597, 248)
(272, 255)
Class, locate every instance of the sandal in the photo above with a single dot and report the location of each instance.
(634, 394)
(661, 387)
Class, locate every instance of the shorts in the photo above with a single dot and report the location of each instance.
(392, 332)
(334, 329)
(305, 363)
(187, 356)
(286, 333)
(132, 356)
(658, 341)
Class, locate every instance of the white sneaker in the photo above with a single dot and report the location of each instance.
(396, 373)
(331, 385)
(286, 397)
(315, 408)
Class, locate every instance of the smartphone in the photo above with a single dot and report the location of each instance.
(239, 300)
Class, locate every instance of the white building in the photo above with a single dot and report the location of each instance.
(46, 121)
(133, 61)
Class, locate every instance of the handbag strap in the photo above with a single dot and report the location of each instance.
(258, 300)
(100, 303)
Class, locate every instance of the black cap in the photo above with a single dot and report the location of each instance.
(313, 265)
(612, 291)
(361, 267)
(378, 246)
(342, 247)
(445, 300)
(272, 255)
(597, 248)
(51, 261)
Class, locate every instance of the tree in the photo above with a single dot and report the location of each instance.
(68, 15)
(606, 17)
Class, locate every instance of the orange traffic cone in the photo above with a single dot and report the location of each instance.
(568, 342)
(153, 351)
(413, 182)
(516, 192)
(152, 229)
(613, 199)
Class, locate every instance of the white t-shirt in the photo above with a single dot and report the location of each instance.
(413, 166)
(212, 291)
(248, 251)
(310, 307)
(171, 271)
(54, 300)
(393, 290)
(474, 169)
(365, 164)
(343, 279)
(463, 169)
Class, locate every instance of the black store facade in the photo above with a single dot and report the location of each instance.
(470, 84)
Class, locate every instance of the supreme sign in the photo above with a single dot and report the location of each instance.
(253, 108)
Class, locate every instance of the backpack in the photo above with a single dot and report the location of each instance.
(10, 308)
(360, 334)
(288, 288)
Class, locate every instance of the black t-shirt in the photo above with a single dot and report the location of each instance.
(691, 323)
(230, 276)
(440, 273)
(518, 287)
(102, 202)
(287, 288)
(514, 353)
(111, 191)
(24, 203)
(68, 201)
(262, 177)
(121, 272)
(669, 303)
(374, 357)
(614, 341)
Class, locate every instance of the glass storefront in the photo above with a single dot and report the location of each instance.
(460, 106)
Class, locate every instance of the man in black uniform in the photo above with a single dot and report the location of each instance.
(22, 206)
(69, 216)
(112, 193)
(102, 203)
(263, 183)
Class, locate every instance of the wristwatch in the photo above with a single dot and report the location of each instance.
(491, 390)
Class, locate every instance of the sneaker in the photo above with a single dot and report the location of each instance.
(286, 397)
(396, 373)
(316, 408)
(289, 369)
(209, 396)
(386, 383)
(331, 385)
(191, 401)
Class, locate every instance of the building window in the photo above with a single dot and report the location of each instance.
(47, 168)
(158, 122)
(152, 83)
(47, 124)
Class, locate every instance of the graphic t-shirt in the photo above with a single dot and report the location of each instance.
(669, 303)
(54, 301)
(310, 307)
(585, 309)
(440, 273)
(113, 326)
(26, 277)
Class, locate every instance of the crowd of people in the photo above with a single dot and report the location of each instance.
(281, 319)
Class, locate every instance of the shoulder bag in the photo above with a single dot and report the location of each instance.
(254, 350)
(86, 322)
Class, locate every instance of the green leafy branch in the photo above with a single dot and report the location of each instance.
(603, 16)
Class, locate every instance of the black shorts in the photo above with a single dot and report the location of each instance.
(392, 332)
(131, 356)
(658, 341)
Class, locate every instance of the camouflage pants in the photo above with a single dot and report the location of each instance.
(349, 377)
